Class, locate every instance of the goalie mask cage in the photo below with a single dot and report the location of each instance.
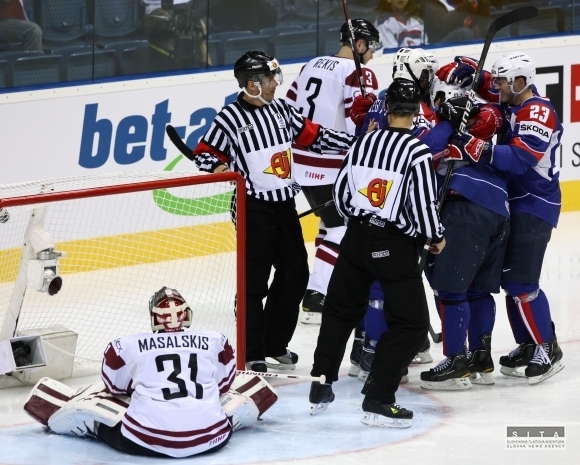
(124, 235)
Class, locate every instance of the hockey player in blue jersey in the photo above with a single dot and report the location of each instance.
(526, 150)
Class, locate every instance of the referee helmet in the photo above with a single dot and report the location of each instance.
(403, 97)
(254, 65)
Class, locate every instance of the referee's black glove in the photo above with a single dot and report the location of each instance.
(452, 110)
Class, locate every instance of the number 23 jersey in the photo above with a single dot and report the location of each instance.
(323, 92)
(174, 380)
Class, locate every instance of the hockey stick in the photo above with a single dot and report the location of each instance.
(315, 209)
(181, 146)
(511, 17)
(321, 378)
(361, 82)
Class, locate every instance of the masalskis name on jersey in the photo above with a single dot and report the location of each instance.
(193, 341)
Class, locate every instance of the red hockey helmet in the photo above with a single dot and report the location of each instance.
(169, 311)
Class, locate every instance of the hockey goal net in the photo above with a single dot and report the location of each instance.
(124, 235)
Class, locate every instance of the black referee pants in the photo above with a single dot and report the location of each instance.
(367, 253)
(274, 238)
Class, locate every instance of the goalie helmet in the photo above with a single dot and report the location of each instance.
(403, 97)
(169, 311)
(514, 65)
(254, 66)
(442, 91)
(414, 65)
(365, 30)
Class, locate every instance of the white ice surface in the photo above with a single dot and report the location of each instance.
(449, 427)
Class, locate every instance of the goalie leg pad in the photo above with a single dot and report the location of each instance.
(46, 398)
(256, 388)
(89, 407)
(242, 409)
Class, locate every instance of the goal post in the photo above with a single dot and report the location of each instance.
(84, 254)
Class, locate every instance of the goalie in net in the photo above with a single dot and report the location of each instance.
(169, 393)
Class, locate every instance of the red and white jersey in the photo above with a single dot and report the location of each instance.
(174, 380)
(424, 121)
(323, 92)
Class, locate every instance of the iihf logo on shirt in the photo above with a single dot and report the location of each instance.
(280, 118)
(376, 192)
(280, 165)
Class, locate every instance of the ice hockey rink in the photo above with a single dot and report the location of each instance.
(448, 427)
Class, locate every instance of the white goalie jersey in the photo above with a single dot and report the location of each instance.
(174, 380)
(323, 92)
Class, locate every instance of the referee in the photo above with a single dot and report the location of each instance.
(253, 136)
(386, 189)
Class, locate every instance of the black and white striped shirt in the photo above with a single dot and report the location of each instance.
(387, 174)
(256, 142)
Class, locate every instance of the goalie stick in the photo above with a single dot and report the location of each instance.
(511, 17)
(321, 378)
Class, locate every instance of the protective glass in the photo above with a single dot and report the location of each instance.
(376, 47)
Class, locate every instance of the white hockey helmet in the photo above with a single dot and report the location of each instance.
(444, 91)
(415, 65)
(169, 311)
(514, 65)
(433, 59)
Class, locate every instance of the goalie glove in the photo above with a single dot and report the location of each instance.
(360, 107)
(452, 110)
(460, 71)
(486, 123)
(469, 148)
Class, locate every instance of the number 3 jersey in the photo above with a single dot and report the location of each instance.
(323, 92)
(174, 380)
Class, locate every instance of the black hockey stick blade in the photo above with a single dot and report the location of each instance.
(437, 337)
(315, 209)
(174, 137)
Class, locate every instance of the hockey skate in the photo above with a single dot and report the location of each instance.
(259, 366)
(312, 307)
(481, 363)
(546, 362)
(356, 353)
(423, 356)
(520, 357)
(366, 359)
(384, 415)
(320, 396)
(287, 361)
(452, 374)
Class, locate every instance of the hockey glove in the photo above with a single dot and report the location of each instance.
(360, 107)
(460, 71)
(452, 110)
(466, 147)
(487, 122)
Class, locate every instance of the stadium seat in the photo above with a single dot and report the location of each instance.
(235, 47)
(292, 45)
(216, 44)
(63, 20)
(35, 70)
(273, 33)
(3, 73)
(114, 19)
(326, 43)
(82, 66)
(123, 63)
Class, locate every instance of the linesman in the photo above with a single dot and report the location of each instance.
(386, 189)
(253, 136)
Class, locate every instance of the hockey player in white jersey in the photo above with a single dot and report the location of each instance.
(169, 393)
(324, 92)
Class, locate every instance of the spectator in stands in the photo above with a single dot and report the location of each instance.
(456, 20)
(241, 15)
(399, 23)
(15, 26)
